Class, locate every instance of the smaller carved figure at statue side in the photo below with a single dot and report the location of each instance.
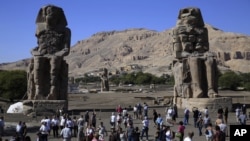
(104, 80)
(50, 70)
(195, 67)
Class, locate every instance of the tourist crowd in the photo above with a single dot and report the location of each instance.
(85, 128)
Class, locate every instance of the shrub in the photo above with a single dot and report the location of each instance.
(13, 84)
(229, 80)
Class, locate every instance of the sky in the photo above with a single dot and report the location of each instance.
(87, 17)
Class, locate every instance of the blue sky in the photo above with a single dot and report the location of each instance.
(86, 17)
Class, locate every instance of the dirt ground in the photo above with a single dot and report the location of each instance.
(105, 103)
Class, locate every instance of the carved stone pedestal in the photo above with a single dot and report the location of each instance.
(213, 104)
(44, 107)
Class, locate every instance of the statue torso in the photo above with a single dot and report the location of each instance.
(50, 41)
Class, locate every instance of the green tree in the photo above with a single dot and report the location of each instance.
(245, 80)
(88, 79)
(170, 80)
(13, 84)
(230, 80)
(129, 78)
(247, 86)
(115, 79)
(143, 78)
(159, 80)
(138, 78)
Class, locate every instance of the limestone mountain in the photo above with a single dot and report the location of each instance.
(145, 50)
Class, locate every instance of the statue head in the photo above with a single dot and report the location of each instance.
(190, 16)
(52, 16)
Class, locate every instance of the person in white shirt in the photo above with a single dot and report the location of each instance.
(44, 131)
(189, 137)
(206, 111)
(55, 126)
(112, 119)
(124, 112)
(169, 134)
(89, 132)
(135, 112)
(66, 133)
(19, 129)
(206, 120)
(70, 124)
(242, 118)
(145, 109)
(223, 127)
(80, 122)
(48, 123)
(237, 113)
(145, 128)
(169, 114)
(62, 122)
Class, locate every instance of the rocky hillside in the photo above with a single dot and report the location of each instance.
(146, 50)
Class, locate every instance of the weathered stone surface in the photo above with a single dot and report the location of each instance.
(210, 103)
(194, 67)
(48, 71)
(238, 55)
(44, 107)
(247, 55)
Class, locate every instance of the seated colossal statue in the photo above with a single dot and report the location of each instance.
(104, 80)
(194, 66)
(48, 71)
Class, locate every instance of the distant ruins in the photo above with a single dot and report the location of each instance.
(48, 71)
(104, 80)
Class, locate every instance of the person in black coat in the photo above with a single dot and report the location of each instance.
(195, 116)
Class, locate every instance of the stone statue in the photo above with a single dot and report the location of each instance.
(104, 80)
(194, 67)
(48, 71)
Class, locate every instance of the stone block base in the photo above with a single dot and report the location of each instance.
(211, 103)
(44, 107)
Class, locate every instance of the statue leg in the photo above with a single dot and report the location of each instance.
(30, 78)
(175, 95)
(210, 76)
(55, 65)
(187, 91)
(31, 86)
(101, 85)
(178, 78)
(63, 81)
(38, 77)
(195, 75)
(106, 85)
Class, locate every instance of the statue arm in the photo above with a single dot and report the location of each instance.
(179, 52)
(35, 51)
(202, 44)
(66, 49)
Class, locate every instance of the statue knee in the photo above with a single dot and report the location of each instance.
(209, 61)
